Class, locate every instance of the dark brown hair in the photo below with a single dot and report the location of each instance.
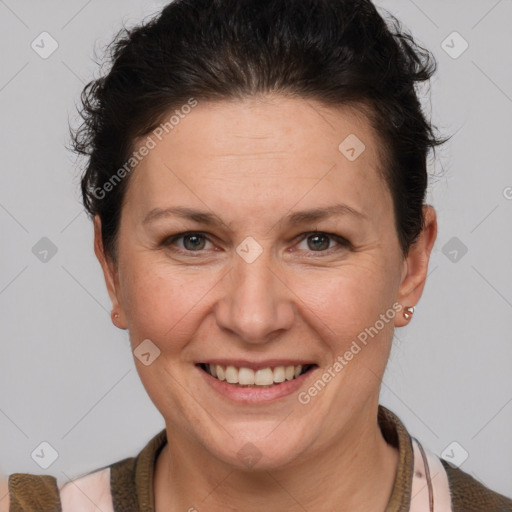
(339, 52)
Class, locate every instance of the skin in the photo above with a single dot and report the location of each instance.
(253, 162)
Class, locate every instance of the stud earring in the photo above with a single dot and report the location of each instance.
(114, 315)
(408, 312)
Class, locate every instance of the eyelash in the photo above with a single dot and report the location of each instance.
(343, 242)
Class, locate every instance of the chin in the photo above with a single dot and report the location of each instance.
(261, 449)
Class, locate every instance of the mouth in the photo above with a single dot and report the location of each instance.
(257, 378)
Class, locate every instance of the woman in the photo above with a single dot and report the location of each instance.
(227, 141)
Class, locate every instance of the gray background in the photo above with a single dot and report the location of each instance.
(66, 373)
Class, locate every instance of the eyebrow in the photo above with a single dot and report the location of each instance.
(294, 218)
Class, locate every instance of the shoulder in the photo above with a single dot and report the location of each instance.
(27, 492)
(113, 487)
(88, 493)
(469, 495)
(107, 489)
(41, 493)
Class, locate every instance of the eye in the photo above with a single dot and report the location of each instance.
(192, 242)
(321, 242)
(195, 242)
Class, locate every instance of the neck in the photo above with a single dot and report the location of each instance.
(354, 471)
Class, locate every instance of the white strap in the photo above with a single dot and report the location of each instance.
(89, 493)
(430, 482)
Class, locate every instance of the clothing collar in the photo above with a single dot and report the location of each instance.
(393, 431)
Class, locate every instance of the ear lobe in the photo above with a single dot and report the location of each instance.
(109, 271)
(416, 265)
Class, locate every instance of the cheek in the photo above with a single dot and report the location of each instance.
(347, 299)
(160, 302)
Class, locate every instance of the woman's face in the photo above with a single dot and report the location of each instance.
(258, 285)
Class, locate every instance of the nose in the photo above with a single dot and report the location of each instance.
(256, 304)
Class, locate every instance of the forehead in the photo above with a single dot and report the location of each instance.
(262, 152)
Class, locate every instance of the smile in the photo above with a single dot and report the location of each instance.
(262, 384)
(247, 377)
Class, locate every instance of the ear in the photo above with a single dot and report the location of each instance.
(110, 274)
(415, 265)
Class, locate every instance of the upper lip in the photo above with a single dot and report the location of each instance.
(257, 365)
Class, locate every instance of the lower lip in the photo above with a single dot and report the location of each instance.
(255, 395)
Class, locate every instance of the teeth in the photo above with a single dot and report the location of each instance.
(262, 377)
(279, 375)
(231, 375)
(248, 377)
